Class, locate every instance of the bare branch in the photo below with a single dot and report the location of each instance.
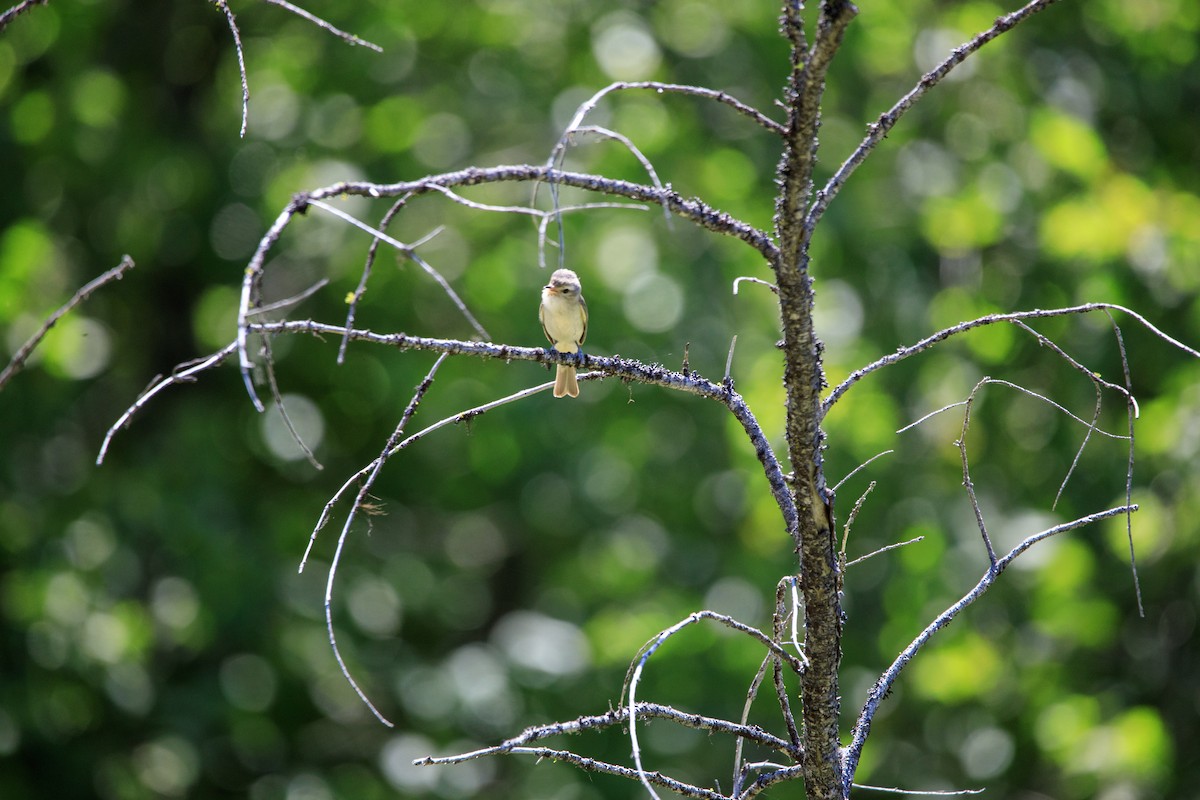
(349, 38)
(967, 483)
(277, 397)
(223, 5)
(614, 718)
(363, 491)
(860, 559)
(759, 281)
(185, 375)
(1131, 413)
(23, 352)
(626, 369)
(918, 792)
(393, 449)
(372, 251)
(878, 130)
(904, 352)
(882, 686)
(17, 10)
(411, 254)
(850, 518)
(1036, 395)
(860, 467)
(632, 679)
(674, 88)
(295, 299)
(694, 210)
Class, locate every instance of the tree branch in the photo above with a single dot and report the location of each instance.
(878, 130)
(17, 10)
(23, 352)
(692, 209)
(881, 688)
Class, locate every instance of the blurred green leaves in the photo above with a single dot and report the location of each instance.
(157, 639)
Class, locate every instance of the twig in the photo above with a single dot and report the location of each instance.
(185, 375)
(918, 792)
(395, 448)
(1131, 413)
(882, 686)
(759, 281)
(777, 624)
(751, 693)
(967, 483)
(277, 398)
(223, 5)
(728, 380)
(859, 468)
(23, 352)
(20, 8)
(878, 130)
(764, 782)
(411, 254)
(295, 299)
(675, 88)
(904, 352)
(885, 549)
(632, 679)
(363, 491)
(613, 718)
(349, 38)
(858, 504)
(1024, 391)
(372, 251)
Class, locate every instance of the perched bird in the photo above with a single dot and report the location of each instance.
(564, 319)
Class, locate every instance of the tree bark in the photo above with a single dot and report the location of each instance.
(804, 379)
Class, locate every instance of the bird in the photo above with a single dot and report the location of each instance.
(564, 317)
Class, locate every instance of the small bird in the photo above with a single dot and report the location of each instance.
(564, 318)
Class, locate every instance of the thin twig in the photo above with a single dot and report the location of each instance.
(411, 254)
(1023, 390)
(858, 504)
(1131, 414)
(23, 352)
(277, 397)
(393, 449)
(223, 5)
(885, 549)
(759, 281)
(859, 468)
(918, 792)
(614, 718)
(295, 299)
(187, 374)
(751, 693)
(675, 88)
(20, 8)
(967, 483)
(349, 38)
(372, 251)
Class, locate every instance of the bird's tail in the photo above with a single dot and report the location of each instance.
(565, 384)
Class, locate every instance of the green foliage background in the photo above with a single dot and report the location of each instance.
(155, 637)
